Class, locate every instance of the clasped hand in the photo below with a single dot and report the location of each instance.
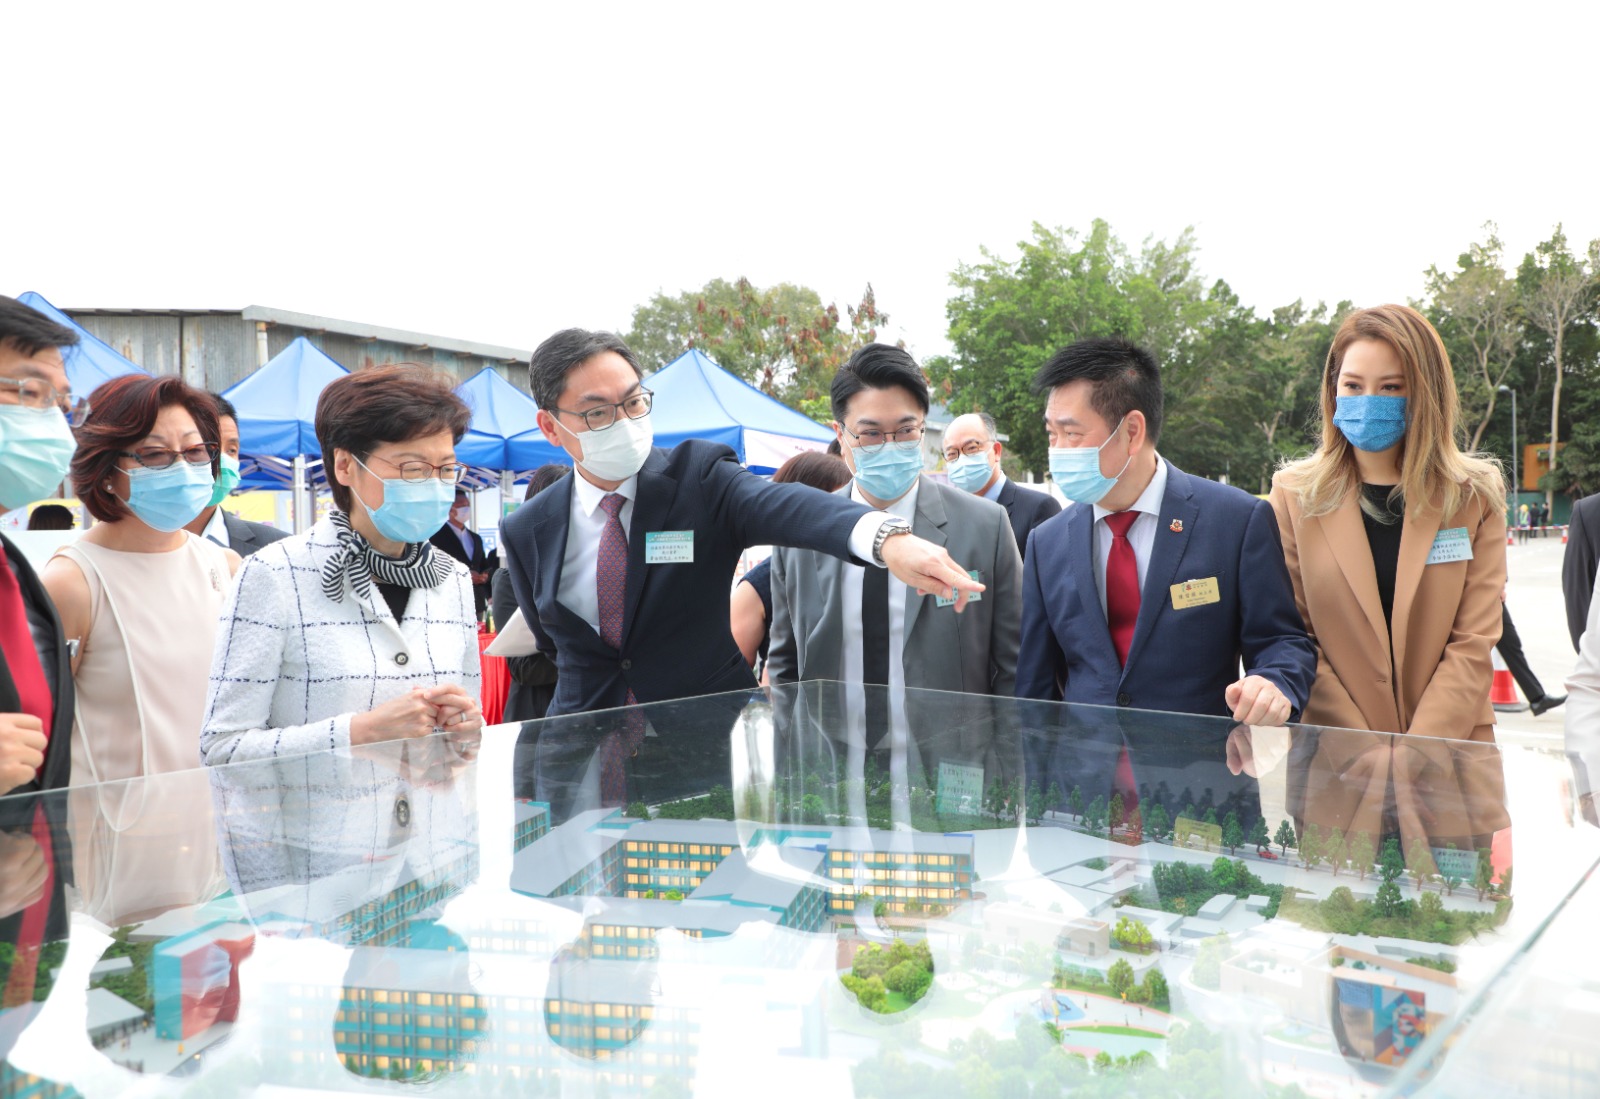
(417, 713)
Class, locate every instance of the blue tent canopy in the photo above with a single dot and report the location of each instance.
(697, 399)
(92, 362)
(504, 434)
(278, 403)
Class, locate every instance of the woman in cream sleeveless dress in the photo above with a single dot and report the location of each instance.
(142, 604)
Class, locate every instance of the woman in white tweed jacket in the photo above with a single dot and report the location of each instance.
(357, 631)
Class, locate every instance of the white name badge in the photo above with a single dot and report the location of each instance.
(1453, 544)
(669, 547)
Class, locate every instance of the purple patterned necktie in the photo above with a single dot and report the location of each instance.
(611, 586)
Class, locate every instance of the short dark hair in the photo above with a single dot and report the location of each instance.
(50, 517)
(121, 413)
(561, 354)
(835, 449)
(1124, 376)
(225, 407)
(543, 477)
(814, 468)
(361, 411)
(30, 331)
(878, 366)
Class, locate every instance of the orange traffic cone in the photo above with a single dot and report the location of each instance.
(1511, 536)
(1563, 536)
(1503, 689)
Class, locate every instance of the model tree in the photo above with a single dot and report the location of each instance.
(1158, 823)
(1035, 803)
(1052, 797)
(1120, 977)
(1094, 816)
(1232, 833)
(1390, 866)
(1452, 877)
(1310, 847)
(1483, 877)
(1114, 818)
(1075, 801)
(1259, 839)
(1284, 838)
(1362, 853)
(1156, 992)
(1420, 865)
(1334, 852)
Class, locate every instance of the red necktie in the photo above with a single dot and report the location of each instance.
(611, 588)
(16, 644)
(1122, 584)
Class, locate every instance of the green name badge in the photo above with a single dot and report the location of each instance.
(975, 597)
(1453, 544)
(669, 547)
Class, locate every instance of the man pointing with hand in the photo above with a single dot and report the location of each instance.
(625, 570)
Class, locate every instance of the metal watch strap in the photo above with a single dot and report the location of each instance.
(892, 526)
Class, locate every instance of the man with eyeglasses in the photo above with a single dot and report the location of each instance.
(972, 450)
(624, 570)
(836, 620)
(223, 527)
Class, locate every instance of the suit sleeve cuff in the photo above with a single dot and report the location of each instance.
(866, 529)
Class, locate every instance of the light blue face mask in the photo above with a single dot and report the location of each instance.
(1076, 470)
(36, 447)
(970, 472)
(412, 511)
(888, 472)
(169, 499)
(1372, 422)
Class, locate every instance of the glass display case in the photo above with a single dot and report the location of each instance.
(820, 889)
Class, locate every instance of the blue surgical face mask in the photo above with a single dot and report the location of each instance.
(970, 472)
(227, 480)
(1372, 422)
(412, 511)
(169, 499)
(1076, 470)
(889, 471)
(36, 448)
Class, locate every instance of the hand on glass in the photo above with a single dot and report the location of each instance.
(22, 872)
(1256, 700)
(22, 745)
(919, 564)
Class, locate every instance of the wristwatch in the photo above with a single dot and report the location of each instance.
(891, 526)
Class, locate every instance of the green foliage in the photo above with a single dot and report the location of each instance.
(1427, 920)
(1155, 990)
(1362, 853)
(638, 810)
(1120, 977)
(1258, 838)
(1158, 823)
(1443, 965)
(1483, 877)
(1232, 833)
(1207, 971)
(1284, 838)
(1185, 888)
(718, 805)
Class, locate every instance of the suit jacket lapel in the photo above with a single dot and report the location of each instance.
(1166, 554)
(1347, 540)
(652, 502)
(929, 524)
(1082, 563)
(1417, 536)
(553, 515)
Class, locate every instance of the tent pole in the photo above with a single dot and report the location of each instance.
(300, 524)
(508, 491)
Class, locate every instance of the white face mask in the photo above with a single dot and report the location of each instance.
(618, 452)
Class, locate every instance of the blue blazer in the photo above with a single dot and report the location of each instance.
(1180, 660)
(676, 638)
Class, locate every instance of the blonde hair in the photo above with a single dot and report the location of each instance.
(1434, 471)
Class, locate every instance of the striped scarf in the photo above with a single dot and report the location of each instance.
(357, 561)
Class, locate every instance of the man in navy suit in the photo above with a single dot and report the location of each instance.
(626, 569)
(1151, 591)
(972, 450)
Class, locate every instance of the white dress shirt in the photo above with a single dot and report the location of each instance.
(464, 536)
(1142, 534)
(993, 491)
(217, 529)
(850, 591)
(585, 523)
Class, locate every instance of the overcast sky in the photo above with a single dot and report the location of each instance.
(495, 172)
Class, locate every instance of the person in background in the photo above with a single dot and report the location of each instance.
(1510, 647)
(624, 569)
(533, 678)
(1395, 539)
(223, 527)
(36, 447)
(840, 621)
(138, 593)
(459, 540)
(51, 517)
(751, 605)
(358, 630)
(1580, 564)
(972, 451)
(1151, 592)
(1524, 522)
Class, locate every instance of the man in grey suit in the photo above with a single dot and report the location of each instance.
(223, 527)
(831, 620)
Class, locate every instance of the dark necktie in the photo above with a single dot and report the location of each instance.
(1122, 584)
(875, 649)
(611, 589)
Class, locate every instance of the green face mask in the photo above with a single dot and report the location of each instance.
(227, 480)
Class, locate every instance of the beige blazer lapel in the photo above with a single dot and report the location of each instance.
(1416, 540)
(1347, 540)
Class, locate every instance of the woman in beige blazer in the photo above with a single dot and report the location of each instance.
(1395, 540)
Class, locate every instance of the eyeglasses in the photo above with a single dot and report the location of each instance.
(418, 471)
(603, 416)
(158, 457)
(872, 439)
(971, 450)
(40, 395)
